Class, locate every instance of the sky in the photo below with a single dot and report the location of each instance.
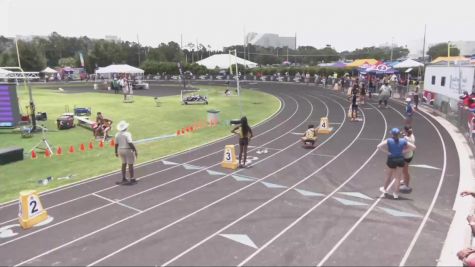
(344, 24)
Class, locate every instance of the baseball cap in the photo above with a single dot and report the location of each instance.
(395, 131)
(408, 99)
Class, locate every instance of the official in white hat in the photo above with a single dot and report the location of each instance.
(125, 149)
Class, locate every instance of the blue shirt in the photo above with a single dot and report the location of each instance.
(396, 148)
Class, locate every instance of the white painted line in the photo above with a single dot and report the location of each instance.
(117, 202)
(424, 166)
(320, 202)
(356, 194)
(150, 208)
(348, 233)
(215, 202)
(243, 239)
(145, 164)
(434, 199)
(338, 244)
(270, 200)
(323, 155)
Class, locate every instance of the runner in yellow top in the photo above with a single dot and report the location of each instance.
(310, 136)
(245, 135)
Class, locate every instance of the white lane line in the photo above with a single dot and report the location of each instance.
(133, 195)
(153, 161)
(350, 231)
(337, 245)
(323, 155)
(270, 200)
(153, 173)
(155, 206)
(117, 202)
(215, 202)
(320, 202)
(434, 199)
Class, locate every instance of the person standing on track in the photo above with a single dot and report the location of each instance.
(245, 135)
(410, 138)
(125, 149)
(354, 103)
(363, 93)
(408, 111)
(395, 147)
(384, 94)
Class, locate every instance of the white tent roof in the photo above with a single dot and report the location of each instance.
(223, 61)
(4, 73)
(408, 63)
(49, 70)
(119, 68)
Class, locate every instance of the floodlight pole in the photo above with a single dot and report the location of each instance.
(30, 93)
(237, 82)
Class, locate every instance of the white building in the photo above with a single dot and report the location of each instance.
(271, 40)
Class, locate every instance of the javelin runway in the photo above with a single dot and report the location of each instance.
(293, 206)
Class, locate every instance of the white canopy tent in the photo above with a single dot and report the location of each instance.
(223, 61)
(49, 70)
(119, 68)
(408, 63)
(4, 73)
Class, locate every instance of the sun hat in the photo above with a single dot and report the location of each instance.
(394, 131)
(122, 126)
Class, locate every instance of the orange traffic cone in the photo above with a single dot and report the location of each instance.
(101, 144)
(71, 149)
(112, 143)
(91, 146)
(82, 147)
(59, 151)
(33, 154)
(47, 153)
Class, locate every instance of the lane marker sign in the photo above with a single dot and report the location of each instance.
(324, 126)
(31, 211)
(229, 158)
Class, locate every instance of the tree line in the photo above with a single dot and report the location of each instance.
(56, 50)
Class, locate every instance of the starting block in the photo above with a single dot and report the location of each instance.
(31, 211)
(324, 127)
(229, 158)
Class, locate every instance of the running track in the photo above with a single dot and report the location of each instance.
(293, 206)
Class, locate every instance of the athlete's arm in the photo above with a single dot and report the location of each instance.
(383, 146)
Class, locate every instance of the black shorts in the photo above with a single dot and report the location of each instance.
(393, 163)
(354, 108)
(408, 160)
(243, 141)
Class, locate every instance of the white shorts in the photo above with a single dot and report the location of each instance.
(126, 155)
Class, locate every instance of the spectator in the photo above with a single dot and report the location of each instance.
(384, 94)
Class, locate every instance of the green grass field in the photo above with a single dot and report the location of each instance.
(146, 121)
